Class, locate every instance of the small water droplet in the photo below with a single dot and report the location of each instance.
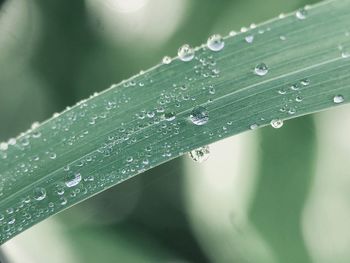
(186, 53)
(72, 179)
(63, 200)
(276, 123)
(215, 42)
(211, 90)
(200, 155)
(52, 155)
(249, 39)
(39, 193)
(282, 91)
(169, 116)
(305, 82)
(199, 115)
(294, 87)
(283, 38)
(301, 13)
(292, 111)
(299, 99)
(338, 99)
(166, 60)
(3, 146)
(254, 126)
(232, 33)
(261, 69)
(345, 54)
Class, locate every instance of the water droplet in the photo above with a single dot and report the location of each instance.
(52, 155)
(3, 146)
(282, 91)
(249, 39)
(215, 42)
(276, 123)
(63, 200)
(292, 111)
(39, 193)
(301, 14)
(305, 82)
(200, 155)
(199, 115)
(166, 60)
(169, 116)
(232, 33)
(294, 87)
(72, 179)
(261, 69)
(254, 126)
(186, 53)
(283, 38)
(345, 54)
(338, 99)
(299, 99)
(211, 90)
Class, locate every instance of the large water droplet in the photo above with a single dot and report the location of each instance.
(301, 14)
(186, 53)
(72, 179)
(215, 43)
(276, 123)
(338, 99)
(261, 69)
(200, 155)
(199, 115)
(39, 193)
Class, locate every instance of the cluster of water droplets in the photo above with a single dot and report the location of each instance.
(100, 132)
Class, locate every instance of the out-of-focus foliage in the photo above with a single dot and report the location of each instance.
(259, 208)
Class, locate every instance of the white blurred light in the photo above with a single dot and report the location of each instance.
(149, 22)
(125, 6)
(50, 245)
(327, 212)
(218, 201)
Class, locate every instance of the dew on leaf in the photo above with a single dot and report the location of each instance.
(39, 193)
(276, 123)
(254, 126)
(186, 53)
(199, 115)
(169, 116)
(72, 179)
(305, 82)
(232, 33)
(301, 13)
(215, 42)
(200, 155)
(261, 69)
(166, 60)
(338, 99)
(249, 39)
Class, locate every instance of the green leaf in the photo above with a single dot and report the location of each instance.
(143, 122)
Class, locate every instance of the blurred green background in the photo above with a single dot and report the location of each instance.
(263, 196)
